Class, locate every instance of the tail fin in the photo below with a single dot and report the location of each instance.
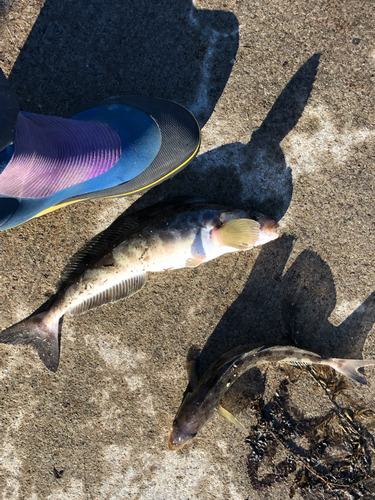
(349, 367)
(34, 331)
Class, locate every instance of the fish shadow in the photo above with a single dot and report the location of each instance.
(290, 309)
(253, 175)
(87, 50)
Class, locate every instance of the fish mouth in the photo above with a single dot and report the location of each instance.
(267, 230)
(270, 229)
(171, 445)
(266, 223)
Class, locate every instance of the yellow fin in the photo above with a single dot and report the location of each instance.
(239, 233)
(225, 413)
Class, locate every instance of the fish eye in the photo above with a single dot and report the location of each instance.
(255, 216)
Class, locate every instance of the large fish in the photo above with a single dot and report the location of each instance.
(203, 401)
(115, 263)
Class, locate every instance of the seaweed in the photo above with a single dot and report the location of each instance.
(330, 456)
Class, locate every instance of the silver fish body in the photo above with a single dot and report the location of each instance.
(203, 401)
(115, 264)
(176, 238)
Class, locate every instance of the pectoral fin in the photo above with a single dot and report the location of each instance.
(225, 413)
(238, 233)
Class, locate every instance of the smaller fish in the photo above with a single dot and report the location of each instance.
(203, 401)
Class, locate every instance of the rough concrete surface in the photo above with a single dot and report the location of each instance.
(284, 91)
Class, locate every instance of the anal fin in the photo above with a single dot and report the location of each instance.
(225, 413)
(121, 290)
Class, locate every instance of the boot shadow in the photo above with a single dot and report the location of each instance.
(83, 51)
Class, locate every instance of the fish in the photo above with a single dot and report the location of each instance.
(202, 401)
(114, 264)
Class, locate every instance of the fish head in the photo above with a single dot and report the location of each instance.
(243, 230)
(267, 228)
(190, 418)
(183, 430)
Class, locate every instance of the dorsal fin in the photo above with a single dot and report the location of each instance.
(192, 360)
(124, 226)
(121, 290)
(98, 247)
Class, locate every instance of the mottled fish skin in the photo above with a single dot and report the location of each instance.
(201, 404)
(115, 264)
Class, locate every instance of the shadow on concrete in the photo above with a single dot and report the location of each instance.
(253, 175)
(80, 51)
(290, 309)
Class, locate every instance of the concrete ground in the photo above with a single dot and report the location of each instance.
(284, 91)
